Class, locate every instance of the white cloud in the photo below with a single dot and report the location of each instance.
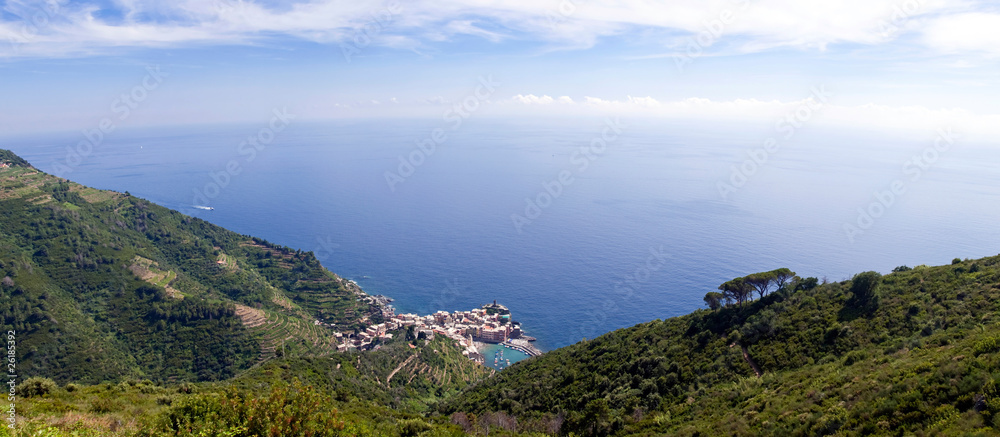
(970, 32)
(565, 100)
(644, 101)
(532, 99)
(596, 101)
(912, 119)
(75, 29)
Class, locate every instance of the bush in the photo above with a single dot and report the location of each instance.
(808, 284)
(412, 427)
(185, 388)
(986, 345)
(864, 287)
(294, 410)
(164, 400)
(36, 386)
(104, 404)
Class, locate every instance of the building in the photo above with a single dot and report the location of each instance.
(497, 335)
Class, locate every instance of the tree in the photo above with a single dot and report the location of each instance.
(782, 276)
(737, 289)
(760, 282)
(808, 284)
(864, 287)
(714, 299)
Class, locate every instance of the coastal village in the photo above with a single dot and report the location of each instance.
(471, 330)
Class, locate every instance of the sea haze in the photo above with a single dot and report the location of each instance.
(639, 233)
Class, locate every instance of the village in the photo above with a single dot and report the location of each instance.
(470, 329)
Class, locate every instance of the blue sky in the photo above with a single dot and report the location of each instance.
(888, 64)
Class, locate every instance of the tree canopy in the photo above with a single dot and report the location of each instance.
(741, 289)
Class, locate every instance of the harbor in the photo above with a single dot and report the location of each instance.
(487, 334)
(500, 356)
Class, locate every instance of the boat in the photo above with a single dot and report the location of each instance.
(206, 208)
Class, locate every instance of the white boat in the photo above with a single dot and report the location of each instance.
(206, 208)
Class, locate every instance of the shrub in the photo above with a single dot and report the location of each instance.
(854, 357)
(185, 388)
(294, 410)
(36, 386)
(986, 345)
(810, 283)
(164, 400)
(104, 404)
(864, 287)
(412, 427)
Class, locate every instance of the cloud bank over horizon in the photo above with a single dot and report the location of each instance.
(900, 64)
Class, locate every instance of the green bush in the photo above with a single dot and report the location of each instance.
(864, 287)
(986, 345)
(36, 386)
(412, 427)
(294, 410)
(104, 404)
(164, 400)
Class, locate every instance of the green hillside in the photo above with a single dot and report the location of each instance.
(101, 286)
(135, 320)
(919, 356)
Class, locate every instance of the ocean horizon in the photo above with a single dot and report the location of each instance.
(579, 226)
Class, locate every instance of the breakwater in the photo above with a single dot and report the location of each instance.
(523, 346)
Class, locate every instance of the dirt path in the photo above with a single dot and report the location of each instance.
(749, 360)
(400, 366)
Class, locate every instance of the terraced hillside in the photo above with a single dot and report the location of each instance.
(104, 285)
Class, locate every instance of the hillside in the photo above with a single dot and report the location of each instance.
(135, 320)
(919, 356)
(101, 286)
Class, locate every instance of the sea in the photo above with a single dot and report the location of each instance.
(580, 226)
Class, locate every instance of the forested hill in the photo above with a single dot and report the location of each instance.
(101, 286)
(914, 352)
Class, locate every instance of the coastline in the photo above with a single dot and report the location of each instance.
(527, 349)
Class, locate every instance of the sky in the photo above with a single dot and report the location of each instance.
(892, 65)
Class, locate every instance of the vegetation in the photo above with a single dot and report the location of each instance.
(104, 286)
(8, 157)
(741, 290)
(923, 361)
(133, 320)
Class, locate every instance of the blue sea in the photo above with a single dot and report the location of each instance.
(579, 226)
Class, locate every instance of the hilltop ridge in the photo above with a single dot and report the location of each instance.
(912, 351)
